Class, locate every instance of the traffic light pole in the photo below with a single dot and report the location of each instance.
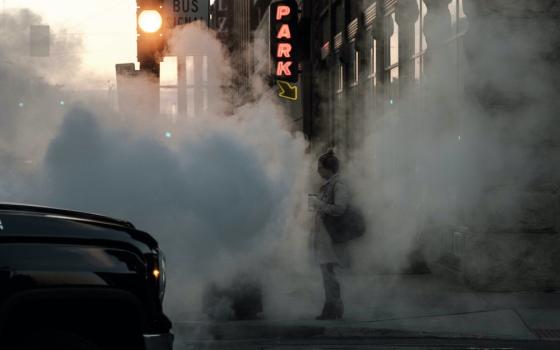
(150, 69)
(150, 46)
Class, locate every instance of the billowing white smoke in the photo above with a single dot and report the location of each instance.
(58, 69)
(214, 197)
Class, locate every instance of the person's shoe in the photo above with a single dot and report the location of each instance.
(326, 317)
(338, 311)
(328, 312)
(332, 311)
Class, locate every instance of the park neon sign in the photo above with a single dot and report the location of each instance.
(283, 40)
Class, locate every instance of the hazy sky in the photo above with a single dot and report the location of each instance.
(106, 27)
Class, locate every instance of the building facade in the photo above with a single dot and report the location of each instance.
(234, 23)
(369, 55)
(360, 56)
(465, 89)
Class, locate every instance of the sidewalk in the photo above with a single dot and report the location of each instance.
(394, 306)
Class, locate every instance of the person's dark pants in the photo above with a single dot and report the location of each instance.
(333, 301)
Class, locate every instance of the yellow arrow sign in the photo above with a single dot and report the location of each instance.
(287, 90)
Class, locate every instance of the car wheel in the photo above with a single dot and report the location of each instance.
(54, 340)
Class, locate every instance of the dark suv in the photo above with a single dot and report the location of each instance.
(72, 280)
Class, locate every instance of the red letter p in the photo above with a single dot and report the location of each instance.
(282, 11)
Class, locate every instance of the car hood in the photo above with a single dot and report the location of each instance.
(25, 226)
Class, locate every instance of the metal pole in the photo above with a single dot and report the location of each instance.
(182, 86)
(151, 68)
(198, 94)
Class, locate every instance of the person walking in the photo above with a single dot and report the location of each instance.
(332, 200)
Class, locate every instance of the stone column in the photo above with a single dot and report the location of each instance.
(406, 15)
(437, 24)
(438, 65)
(436, 122)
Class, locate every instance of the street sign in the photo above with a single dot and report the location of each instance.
(222, 17)
(180, 12)
(284, 40)
(287, 90)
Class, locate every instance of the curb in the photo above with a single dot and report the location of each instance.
(199, 331)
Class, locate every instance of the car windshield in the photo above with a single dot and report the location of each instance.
(312, 169)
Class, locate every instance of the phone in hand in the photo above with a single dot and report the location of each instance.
(311, 200)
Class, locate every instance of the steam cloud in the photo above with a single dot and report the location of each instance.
(470, 151)
(31, 87)
(219, 196)
(227, 193)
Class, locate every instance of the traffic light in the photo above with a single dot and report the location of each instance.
(151, 35)
(284, 39)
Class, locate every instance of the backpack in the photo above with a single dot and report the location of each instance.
(346, 227)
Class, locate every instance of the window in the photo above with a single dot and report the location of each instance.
(462, 23)
(373, 60)
(168, 87)
(340, 86)
(394, 76)
(418, 67)
(205, 70)
(197, 81)
(419, 37)
(419, 41)
(392, 59)
(340, 119)
(458, 17)
(453, 10)
(357, 66)
(372, 76)
(392, 32)
(461, 10)
(354, 65)
(393, 89)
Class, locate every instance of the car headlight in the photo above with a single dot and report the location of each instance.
(158, 272)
